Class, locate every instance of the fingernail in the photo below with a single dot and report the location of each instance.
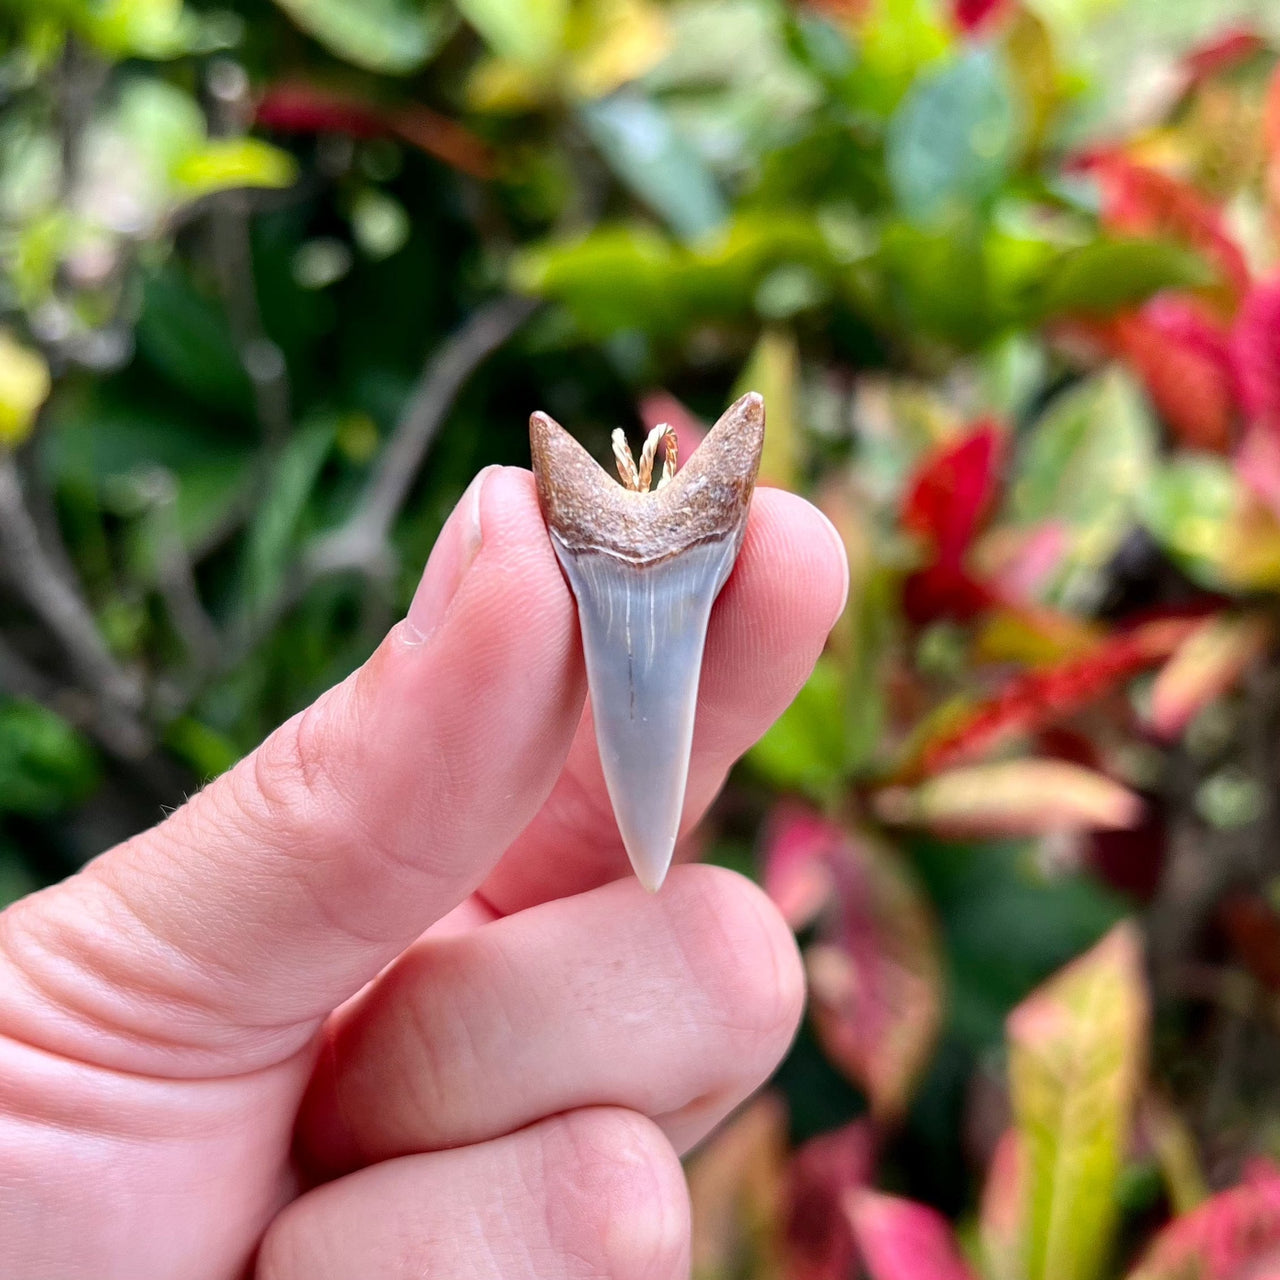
(451, 557)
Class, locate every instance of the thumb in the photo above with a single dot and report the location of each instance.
(216, 941)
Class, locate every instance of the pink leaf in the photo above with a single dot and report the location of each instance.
(1225, 1238)
(902, 1240)
(819, 1240)
(735, 1184)
(662, 406)
(1012, 798)
(1258, 465)
(1204, 667)
(875, 978)
(1002, 1214)
(798, 845)
(1256, 346)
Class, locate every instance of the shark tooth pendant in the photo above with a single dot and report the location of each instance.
(645, 568)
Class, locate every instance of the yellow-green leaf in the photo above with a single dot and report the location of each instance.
(529, 32)
(612, 42)
(24, 387)
(224, 164)
(1076, 1055)
(773, 371)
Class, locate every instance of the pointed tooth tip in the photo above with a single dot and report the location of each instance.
(651, 878)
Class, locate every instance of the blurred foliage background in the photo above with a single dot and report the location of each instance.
(278, 279)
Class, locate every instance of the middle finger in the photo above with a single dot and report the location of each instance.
(676, 1005)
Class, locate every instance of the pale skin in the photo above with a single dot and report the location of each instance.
(383, 1001)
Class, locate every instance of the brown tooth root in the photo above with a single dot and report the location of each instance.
(645, 568)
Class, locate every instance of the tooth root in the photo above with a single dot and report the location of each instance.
(643, 633)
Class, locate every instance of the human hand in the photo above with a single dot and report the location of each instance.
(370, 993)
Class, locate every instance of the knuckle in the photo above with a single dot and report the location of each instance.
(616, 1195)
(291, 778)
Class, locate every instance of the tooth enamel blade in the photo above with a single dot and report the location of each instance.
(643, 632)
(645, 569)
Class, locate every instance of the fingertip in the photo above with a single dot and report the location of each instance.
(795, 548)
(759, 974)
(772, 620)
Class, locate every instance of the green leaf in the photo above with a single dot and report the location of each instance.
(208, 752)
(275, 522)
(45, 766)
(159, 121)
(951, 141)
(1008, 926)
(15, 880)
(1188, 506)
(642, 147)
(145, 28)
(185, 337)
(393, 37)
(631, 279)
(1084, 466)
(805, 749)
(1076, 1053)
(1107, 275)
(108, 442)
(229, 163)
(529, 32)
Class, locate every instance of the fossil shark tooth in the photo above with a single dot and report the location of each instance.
(645, 568)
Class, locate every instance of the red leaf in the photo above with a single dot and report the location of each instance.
(1034, 700)
(1184, 357)
(1255, 344)
(300, 107)
(875, 978)
(945, 504)
(818, 1240)
(1138, 200)
(952, 490)
(798, 846)
(1225, 50)
(1132, 860)
(902, 1240)
(1252, 926)
(972, 16)
(944, 590)
(1221, 1238)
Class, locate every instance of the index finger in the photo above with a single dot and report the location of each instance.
(218, 940)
